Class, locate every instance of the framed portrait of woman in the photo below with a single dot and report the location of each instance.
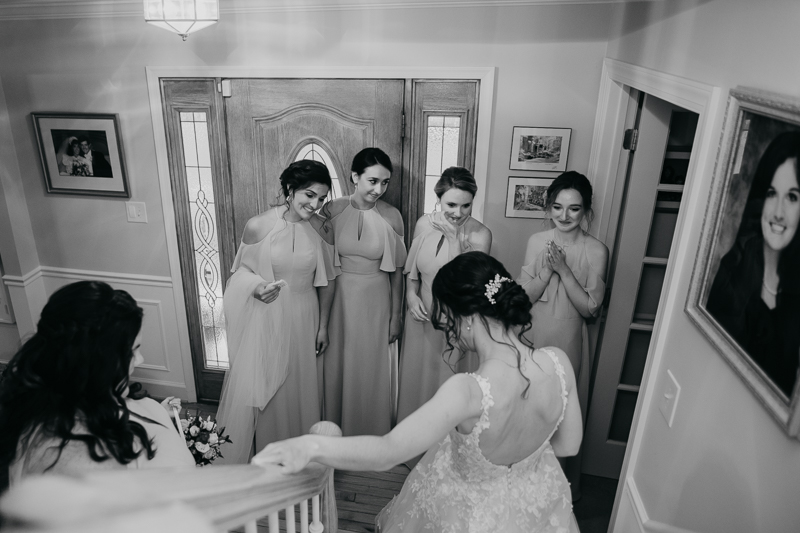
(745, 289)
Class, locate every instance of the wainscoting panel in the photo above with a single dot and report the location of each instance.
(162, 373)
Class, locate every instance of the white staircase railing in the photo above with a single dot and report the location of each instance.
(212, 498)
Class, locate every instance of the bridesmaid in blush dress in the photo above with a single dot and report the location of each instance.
(438, 238)
(366, 315)
(564, 276)
(277, 305)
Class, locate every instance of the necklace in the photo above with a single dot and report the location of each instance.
(563, 244)
(766, 288)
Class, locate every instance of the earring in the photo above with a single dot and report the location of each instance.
(468, 328)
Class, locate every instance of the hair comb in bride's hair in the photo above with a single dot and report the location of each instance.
(493, 286)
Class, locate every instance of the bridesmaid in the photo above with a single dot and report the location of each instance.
(366, 315)
(564, 276)
(438, 238)
(277, 304)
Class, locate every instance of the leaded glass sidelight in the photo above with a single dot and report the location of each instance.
(315, 152)
(197, 160)
(442, 152)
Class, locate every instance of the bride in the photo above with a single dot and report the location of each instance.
(491, 437)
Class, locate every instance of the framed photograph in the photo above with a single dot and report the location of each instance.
(525, 197)
(539, 149)
(81, 153)
(744, 293)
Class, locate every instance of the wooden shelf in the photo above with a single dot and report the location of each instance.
(665, 205)
(669, 187)
(638, 326)
(662, 261)
(629, 388)
(677, 155)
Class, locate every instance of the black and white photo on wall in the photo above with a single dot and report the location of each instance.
(542, 149)
(81, 153)
(745, 289)
(526, 197)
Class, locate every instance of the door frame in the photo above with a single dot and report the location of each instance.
(605, 163)
(486, 75)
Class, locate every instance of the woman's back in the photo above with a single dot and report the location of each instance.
(518, 426)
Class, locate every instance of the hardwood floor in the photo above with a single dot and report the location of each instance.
(360, 496)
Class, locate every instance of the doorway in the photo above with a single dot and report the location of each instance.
(229, 139)
(659, 146)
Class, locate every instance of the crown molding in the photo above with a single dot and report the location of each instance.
(54, 9)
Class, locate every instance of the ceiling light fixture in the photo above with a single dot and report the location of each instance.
(181, 16)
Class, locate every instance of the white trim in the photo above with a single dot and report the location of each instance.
(162, 328)
(645, 523)
(73, 9)
(81, 274)
(705, 100)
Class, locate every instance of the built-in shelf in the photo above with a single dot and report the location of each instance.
(677, 155)
(639, 326)
(629, 388)
(669, 187)
(667, 206)
(655, 261)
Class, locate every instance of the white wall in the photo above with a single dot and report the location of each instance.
(548, 57)
(724, 465)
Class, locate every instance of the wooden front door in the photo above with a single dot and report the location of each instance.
(271, 121)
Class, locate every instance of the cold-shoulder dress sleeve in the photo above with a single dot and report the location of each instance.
(326, 271)
(394, 253)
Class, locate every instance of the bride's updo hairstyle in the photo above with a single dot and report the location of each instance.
(467, 286)
(76, 367)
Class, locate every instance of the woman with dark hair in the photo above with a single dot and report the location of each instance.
(438, 237)
(755, 295)
(564, 276)
(277, 304)
(492, 436)
(63, 398)
(366, 316)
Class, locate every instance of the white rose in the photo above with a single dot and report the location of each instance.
(202, 448)
(208, 425)
(213, 439)
(210, 454)
(194, 430)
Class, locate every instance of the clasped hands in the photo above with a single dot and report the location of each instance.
(555, 259)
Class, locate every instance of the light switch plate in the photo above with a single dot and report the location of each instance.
(137, 212)
(668, 401)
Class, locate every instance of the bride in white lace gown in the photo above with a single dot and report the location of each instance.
(492, 436)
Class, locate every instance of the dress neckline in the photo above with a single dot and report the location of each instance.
(354, 206)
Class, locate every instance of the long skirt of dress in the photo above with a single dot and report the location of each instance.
(296, 405)
(408, 512)
(357, 368)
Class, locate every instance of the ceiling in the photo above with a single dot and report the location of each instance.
(56, 9)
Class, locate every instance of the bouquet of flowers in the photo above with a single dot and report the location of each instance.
(203, 438)
(80, 167)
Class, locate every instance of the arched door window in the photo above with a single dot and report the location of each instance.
(315, 152)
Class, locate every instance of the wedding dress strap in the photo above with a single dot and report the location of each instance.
(560, 373)
(486, 402)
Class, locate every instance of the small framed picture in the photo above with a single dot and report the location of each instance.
(543, 149)
(81, 153)
(526, 197)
